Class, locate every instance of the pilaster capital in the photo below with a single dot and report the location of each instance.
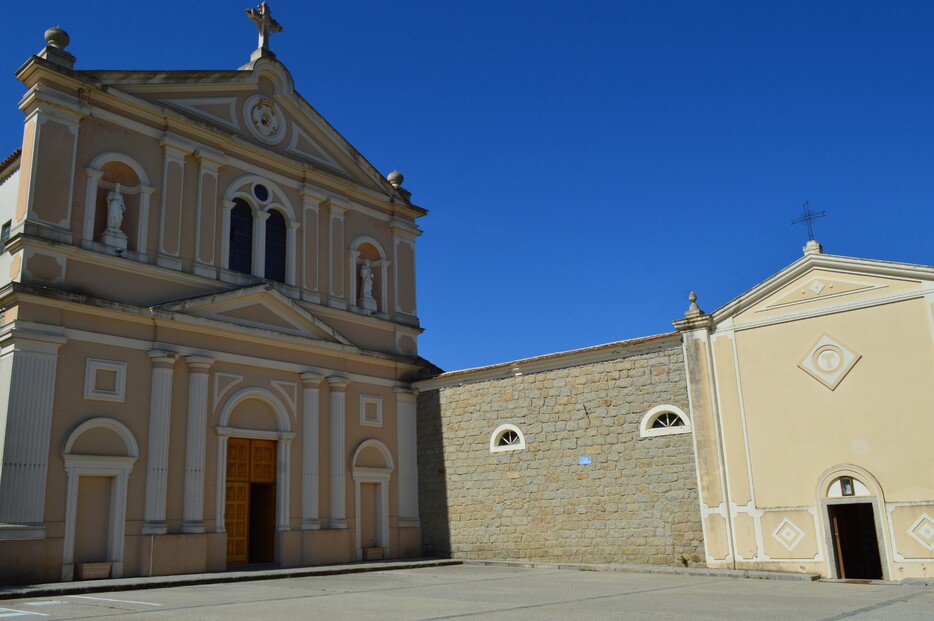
(161, 357)
(338, 383)
(94, 173)
(210, 159)
(199, 364)
(311, 380)
(404, 392)
(261, 215)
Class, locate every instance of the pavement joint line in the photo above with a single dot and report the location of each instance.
(858, 611)
(158, 582)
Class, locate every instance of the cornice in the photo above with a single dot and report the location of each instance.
(551, 362)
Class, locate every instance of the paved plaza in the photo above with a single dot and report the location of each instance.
(479, 592)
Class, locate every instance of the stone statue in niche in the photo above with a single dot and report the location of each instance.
(367, 302)
(116, 207)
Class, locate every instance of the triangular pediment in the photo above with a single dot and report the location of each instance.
(257, 103)
(261, 307)
(819, 283)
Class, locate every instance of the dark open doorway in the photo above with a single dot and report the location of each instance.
(855, 546)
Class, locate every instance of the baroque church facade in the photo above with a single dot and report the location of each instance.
(209, 328)
(208, 359)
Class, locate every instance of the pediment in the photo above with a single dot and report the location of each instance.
(259, 306)
(826, 283)
(259, 105)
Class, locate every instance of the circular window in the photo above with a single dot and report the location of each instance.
(261, 192)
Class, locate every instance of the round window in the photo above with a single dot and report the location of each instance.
(261, 192)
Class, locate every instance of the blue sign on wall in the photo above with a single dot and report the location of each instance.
(584, 461)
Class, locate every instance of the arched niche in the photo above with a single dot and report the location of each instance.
(364, 250)
(104, 173)
(103, 448)
(371, 466)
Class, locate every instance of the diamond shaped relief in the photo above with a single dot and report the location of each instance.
(828, 361)
(788, 534)
(923, 531)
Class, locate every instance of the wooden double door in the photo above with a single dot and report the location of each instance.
(250, 507)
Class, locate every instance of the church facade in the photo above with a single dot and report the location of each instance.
(209, 328)
(789, 430)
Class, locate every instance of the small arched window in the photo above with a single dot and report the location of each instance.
(275, 246)
(241, 237)
(506, 438)
(664, 420)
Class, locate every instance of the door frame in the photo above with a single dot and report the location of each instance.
(875, 498)
(118, 468)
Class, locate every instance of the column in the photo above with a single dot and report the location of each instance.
(406, 449)
(311, 383)
(338, 386)
(259, 242)
(283, 489)
(28, 364)
(193, 508)
(291, 236)
(160, 414)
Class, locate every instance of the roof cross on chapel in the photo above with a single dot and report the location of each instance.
(265, 24)
(807, 218)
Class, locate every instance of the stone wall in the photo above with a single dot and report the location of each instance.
(636, 502)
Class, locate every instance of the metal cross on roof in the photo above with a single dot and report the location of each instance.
(266, 25)
(807, 217)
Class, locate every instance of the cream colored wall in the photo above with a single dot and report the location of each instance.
(781, 431)
(873, 418)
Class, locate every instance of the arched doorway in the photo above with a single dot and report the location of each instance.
(254, 439)
(852, 507)
(372, 468)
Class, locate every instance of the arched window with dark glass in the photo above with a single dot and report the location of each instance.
(275, 246)
(241, 237)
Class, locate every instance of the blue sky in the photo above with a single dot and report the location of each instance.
(586, 165)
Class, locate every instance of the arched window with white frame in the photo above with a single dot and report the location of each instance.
(506, 437)
(267, 239)
(664, 420)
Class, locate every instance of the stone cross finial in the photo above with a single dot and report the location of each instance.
(262, 17)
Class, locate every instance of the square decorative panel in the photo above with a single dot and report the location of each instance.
(828, 361)
(105, 380)
(923, 531)
(788, 534)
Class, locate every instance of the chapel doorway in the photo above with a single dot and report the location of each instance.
(855, 545)
(250, 508)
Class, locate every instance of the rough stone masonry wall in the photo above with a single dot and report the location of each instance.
(635, 503)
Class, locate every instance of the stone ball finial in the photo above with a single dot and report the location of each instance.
(395, 178)
(56, 37)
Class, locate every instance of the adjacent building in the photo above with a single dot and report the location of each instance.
(790, 430)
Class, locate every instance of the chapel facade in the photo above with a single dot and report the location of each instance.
(209, 328)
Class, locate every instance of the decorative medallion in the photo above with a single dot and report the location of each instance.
(828, 361)
(922, 531)
(264, 119)
(788, 534)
